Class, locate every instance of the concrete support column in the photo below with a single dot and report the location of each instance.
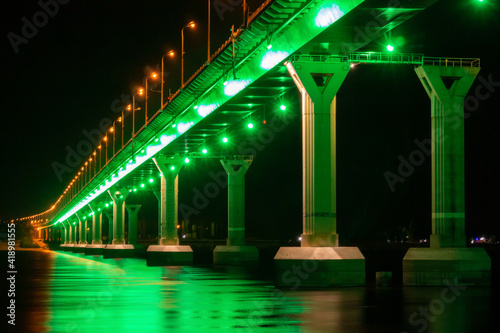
(63, 233)
(73, 230)
(168, 251)
(82, 225)
(236, 252)
(109, 216)
(447, 88)
(132, 210)
(118, 195)
(318, 80)
(169, 168)
(96, 224)
(236, 170)
(447, 260)
(119, 248)
(158, 197)
(95, 246)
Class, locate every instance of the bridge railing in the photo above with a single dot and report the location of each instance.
(386, 58)
(326, 58)
(452, 62)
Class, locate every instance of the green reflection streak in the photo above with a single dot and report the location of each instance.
(92, 294)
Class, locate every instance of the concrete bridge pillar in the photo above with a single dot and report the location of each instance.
(82, 233)
(109, 216)
(118, 248)
(168, 251)
(73, 229)
(318, 80)
(96, 246)
(236, 252)
(133, 211)
(447, 259)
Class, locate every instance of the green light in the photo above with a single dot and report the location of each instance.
(272, 58)
(282, 107)
(98, 209)
(111, 202)
(390, 48)
(142, 185)
(327, 16)
(107, 205)
(250, 125)
(186, 160)
(172, 168)
(204, 151)
(74, 223)
(151, 180)
(195, 107)
(156, 140)
(225, 139)
(270, 46)
(160, 174)
(233, 87)
(121, 196)
(90, 214)
(135, 190)
(173, 126)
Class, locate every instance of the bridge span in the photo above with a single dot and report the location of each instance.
(309, 45)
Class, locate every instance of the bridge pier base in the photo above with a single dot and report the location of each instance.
(448, 261)
(118, 248)
(168, 252)
(96, 247)
(236, 253)
(319, 262)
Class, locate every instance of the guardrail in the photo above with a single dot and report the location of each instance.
(452, 62)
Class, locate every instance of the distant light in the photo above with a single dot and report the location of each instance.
(300, 238)
(121, 196)
(225, 139)
(353, 65)
(172, 168)
(142, 185)
(250, 125)
(390, 48)
(156, 140)
(135, 190)
(107, 205)
(186, 160)
(151, 180)
(196, 107)
(174, 125)
(264, 121)
(283, 107)
(204, 151)
(270, 46)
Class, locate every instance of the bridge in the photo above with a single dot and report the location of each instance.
(309, 45)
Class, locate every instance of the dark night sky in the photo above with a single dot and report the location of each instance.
(65, 79)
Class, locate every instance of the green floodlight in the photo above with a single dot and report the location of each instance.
(225, 139)
(204, 151)
(250, 125)
(151, 180)
(283, 107)
(390, 48)
(186, 160)
(172, 168)
(142, 185)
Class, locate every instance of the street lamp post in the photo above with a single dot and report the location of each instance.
(154, 76)
(132, 108)
(208, 46)
(190, 25)
(170, 53)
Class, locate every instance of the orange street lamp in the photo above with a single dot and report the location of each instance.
(153, 76)
(170, 53)
(191, 25)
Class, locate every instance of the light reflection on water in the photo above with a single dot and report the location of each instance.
(68, 292)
